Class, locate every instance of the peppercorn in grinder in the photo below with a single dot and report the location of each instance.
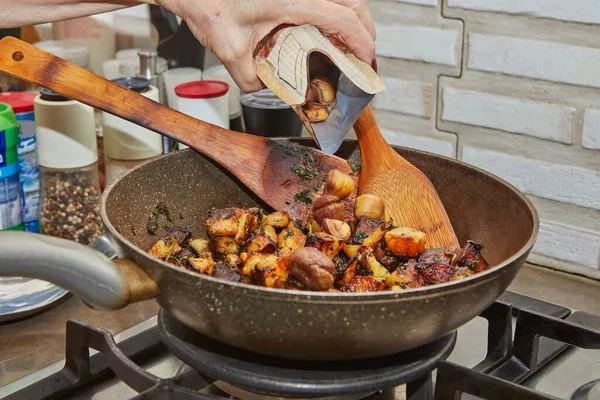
(68, 164)
(316, 74)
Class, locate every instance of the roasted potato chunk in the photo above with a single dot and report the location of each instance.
(368, 232)
(438, 255)
(223, 222)
(200, 245)
(471, 257)
(437, 273)
(178, 233)
(277, 219)
(204, 265)
(328, 244)
(292, 238)
(164, 248)
(405, 242)
(247, 225)
(261, 243)
(187, 251)
(406, 276)
(233, 259)
(254, 259)
(461, 273)
(369, 263)
(313, 226)
(387, 258)
(351, 250)
(270, 272)
(227, 272)
(362, 284)
(270, 231)
(345, 268)
(225, 245)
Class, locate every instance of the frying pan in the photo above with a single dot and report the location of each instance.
(281, 323)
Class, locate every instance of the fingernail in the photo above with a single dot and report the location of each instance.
(374, 65)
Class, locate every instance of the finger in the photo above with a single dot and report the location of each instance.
(234, 52)
(363, 13)
(330, 18)
(242, 71)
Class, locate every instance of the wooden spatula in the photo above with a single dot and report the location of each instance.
(286, 177)
(409, 197)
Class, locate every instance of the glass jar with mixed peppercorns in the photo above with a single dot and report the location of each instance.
(68, 163)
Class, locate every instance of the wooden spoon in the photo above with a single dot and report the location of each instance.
(263, 165)
(409, 197)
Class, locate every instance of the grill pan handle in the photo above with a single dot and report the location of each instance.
(90, 275)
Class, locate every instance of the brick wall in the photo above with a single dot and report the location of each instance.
(512, 87)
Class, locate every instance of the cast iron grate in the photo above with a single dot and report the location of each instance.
(542, 331)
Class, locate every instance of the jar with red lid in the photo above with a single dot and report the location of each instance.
(205, 100)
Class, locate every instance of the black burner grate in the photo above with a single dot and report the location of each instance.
(291, 378)
(542, 331)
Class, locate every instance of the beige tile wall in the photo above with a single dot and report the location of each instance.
(512, 87)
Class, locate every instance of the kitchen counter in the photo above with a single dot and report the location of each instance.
(30, 344)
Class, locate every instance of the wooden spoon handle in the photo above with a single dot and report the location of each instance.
(230, 149)
(373, 144)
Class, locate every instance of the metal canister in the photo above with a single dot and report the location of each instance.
(148, 70)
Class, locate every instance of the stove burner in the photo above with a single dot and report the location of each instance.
(291, 378)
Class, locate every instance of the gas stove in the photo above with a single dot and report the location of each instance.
(518, 348)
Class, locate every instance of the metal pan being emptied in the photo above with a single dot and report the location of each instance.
(281, 323)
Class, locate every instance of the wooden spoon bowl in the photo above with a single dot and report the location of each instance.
(409, 196)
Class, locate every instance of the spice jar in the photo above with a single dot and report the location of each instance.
(126, 144)
(205, 100)
(68, 164)
(220, 73)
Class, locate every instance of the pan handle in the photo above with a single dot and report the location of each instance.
(88, 274)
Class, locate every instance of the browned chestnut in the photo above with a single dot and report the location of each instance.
(315, 112)
(339, 184)
(369, 205)
(337, 228)
(327, 206)
(323, 90)
(312, 268)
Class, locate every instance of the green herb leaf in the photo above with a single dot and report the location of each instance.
(306, 173)
(288, 233)
(152, 224)
(303, 196)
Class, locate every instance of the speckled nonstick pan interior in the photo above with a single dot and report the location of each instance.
(312, 325)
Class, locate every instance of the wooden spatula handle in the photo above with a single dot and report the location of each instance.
(34, 65)
(371, 141)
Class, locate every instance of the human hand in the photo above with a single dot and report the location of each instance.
(231, 29)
